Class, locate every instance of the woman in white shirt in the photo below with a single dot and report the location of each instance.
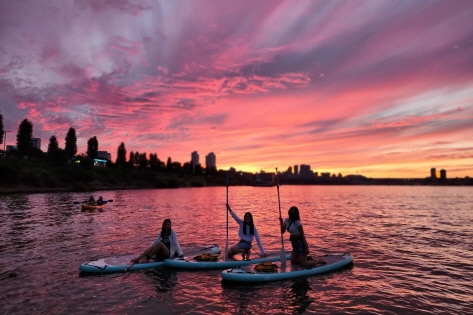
(165, 246)
(247, 232)
(300, 248)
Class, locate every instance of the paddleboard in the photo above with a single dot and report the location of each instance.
(250, 274)
(121, 263)
(221, 263)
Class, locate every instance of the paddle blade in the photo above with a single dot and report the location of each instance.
(283, 257)
(110, 200)
(76, 202)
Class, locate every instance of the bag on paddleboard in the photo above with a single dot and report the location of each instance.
(266, 266)
(206, 257)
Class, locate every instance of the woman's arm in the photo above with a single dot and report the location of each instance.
(283, 226)
(258, 241)
(234, 216)
(175, 242)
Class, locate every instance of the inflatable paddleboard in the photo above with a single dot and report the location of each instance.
(251, 273)
(121, 263)
(220, 263)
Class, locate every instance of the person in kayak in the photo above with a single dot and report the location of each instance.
(300, 248)
(100, 201)
(247, 232)
(165, 246)
(91, 201)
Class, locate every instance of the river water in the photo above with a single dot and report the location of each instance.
(412, 248)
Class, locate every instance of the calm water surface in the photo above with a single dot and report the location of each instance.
(412, 248)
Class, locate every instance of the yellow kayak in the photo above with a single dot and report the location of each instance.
(90, 207)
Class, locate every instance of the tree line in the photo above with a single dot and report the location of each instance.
(58, 156)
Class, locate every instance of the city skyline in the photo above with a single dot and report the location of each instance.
(381, 89)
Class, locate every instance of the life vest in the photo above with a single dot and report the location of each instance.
(266, 266)
(207, 257)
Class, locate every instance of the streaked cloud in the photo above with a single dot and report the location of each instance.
(374, 87)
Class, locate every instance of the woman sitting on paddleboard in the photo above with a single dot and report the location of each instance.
(300, 248)
(247, 233)
(165, 245)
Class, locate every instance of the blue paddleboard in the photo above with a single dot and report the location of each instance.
(121, 263)
(250, 274)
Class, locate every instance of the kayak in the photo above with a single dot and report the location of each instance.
(122, 263)
(90, 207)
(251, 274)
(220, 263)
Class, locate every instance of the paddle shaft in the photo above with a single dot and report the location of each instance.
(226, 244)
(283, 251)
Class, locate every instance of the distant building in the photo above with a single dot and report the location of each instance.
(296, 169)
(10, 147)
(264, 179)
(194, 159)
(36, 143)
(305, 170)
(443, 174)
(104, 155)
(211, 160)
(433, 173)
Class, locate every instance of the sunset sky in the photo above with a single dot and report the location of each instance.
(378, 88)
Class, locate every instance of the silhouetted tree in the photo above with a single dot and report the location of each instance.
(198, 170)
(53, 145)
(56, 154)
(121, 155)
(187, 168)
(131, 158)
(169, 165)
(71, 143)
(142, 161)
(24, 137)
(92, 148)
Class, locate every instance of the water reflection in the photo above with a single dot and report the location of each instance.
(297, 295)
(404, 232)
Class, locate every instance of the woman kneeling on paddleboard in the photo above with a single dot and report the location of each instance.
(165, 245)
(247, 233)
(300, 248)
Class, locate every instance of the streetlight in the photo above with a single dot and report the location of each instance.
(5, 142)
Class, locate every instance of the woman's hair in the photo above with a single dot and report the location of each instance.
(251, 224)
(162, 227)
(294, 213)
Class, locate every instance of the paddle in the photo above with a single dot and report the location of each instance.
(283, 251)
(103, 202)
(124, 271)
(226, 210)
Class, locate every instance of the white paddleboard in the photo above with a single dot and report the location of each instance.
(121, 263)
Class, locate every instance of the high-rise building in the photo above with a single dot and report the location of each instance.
(433, 173)
(305, 170)
(194, 158)
(443, 174)
(296, 169)
(211, 160)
